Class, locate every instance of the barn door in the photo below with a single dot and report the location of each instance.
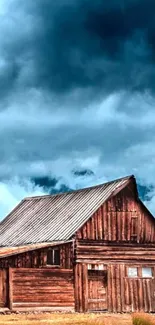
(97, 290)
(3, 287)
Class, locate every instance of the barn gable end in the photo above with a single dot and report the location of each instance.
(122, 218)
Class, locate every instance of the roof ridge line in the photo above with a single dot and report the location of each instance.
(78, 190)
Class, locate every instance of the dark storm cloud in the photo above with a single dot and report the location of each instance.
(49, 185)
(77, 95)
(145, 192)
(96, 44)
(45, 181)
(82, 172)
(105, 46)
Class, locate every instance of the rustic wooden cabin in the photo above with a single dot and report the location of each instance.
(87, 250)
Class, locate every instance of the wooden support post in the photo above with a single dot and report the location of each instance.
(76, 288)
(84, 288)
(10, 288)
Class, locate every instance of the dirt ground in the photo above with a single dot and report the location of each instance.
(65, 319)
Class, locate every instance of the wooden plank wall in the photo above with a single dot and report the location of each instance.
(81, 287)
(129, 294)
(89, 251)
(97, 290)
(113, 220)
(38, 257)
(31, 287)
(124, 294)
(3, 288)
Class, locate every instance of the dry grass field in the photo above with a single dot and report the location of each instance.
(65, 319)
(77, 319)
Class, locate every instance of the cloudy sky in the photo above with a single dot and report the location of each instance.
(77, 90)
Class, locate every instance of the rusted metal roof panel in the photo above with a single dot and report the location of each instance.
(54, 217)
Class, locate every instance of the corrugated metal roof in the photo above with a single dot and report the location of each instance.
(54, 217)
(9, 251)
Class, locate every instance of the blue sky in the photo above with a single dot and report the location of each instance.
(77, 87)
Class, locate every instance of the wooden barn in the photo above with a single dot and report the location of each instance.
(86, 250)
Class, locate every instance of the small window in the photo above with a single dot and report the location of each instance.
(146, 272)
(132, 272)
(53, 256)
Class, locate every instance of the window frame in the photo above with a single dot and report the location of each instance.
(147, 277)
(53, 260)
(132, 267)
(139, 272)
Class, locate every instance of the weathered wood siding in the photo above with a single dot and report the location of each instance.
(123, 294)
(81, 287)
(121, 218)
(3, 287)
(42, 288)
(90, 251)
(120, 234)
(97, 290)
(130, 294)
(38, 258)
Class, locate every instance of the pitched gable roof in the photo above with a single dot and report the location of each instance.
(55, 217)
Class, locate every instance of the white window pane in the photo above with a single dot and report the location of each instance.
(146, 272)
(100, 267)
(132, 272)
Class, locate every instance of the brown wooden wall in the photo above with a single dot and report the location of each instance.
(130, 294)
(123, 294)
(121, 218)
(3, 287)
(38, 258)
(41, 288)
(81, 287)
(90, 251)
